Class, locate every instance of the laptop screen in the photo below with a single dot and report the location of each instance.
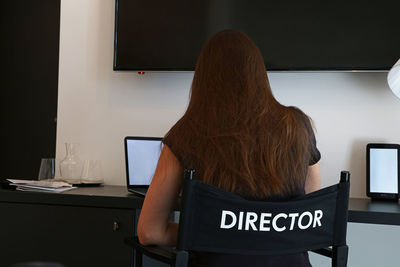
(142, 155)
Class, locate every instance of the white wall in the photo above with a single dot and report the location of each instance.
(98, 107)
(370, 245)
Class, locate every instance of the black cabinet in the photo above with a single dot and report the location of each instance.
(76, 229)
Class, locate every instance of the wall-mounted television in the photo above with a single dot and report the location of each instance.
(292, 35)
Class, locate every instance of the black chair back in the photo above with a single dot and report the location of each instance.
(213, 220)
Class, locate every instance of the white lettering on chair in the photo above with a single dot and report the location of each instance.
(307, 213)
(223, 219)
(240, 220)
(293, 216)
(251, 217)
(275, 226)
(267, 221)
(264, 221)
(317, 218)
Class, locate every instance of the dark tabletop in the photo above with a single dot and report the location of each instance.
(360, 210)
(374, 211)
(99, 196)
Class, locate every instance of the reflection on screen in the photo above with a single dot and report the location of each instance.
(142, 160)
(383, 170)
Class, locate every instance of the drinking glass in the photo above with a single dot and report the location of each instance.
(92, 171)
(47, 169)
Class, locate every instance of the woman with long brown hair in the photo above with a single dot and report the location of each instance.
(237, 137)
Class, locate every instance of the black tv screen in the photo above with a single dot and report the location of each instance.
(292, 35)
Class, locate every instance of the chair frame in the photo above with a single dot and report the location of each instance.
(180, 258)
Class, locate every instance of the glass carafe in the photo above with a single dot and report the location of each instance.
(71, 166)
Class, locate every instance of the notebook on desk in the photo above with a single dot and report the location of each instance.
(141, 158)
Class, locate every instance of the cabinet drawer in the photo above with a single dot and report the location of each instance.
(73, 236)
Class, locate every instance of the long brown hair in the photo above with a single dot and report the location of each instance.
(234, 132)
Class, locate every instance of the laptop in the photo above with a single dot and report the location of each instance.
(141, 158)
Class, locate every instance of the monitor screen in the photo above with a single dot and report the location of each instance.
(142, 158)
(291, 35)
(383, 170)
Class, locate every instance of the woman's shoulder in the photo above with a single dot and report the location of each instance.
(301, 116)
(176, 140)
(297, 111)
(309, 126)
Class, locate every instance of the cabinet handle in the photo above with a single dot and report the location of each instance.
(115, 226)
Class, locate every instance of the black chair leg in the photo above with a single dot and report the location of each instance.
(182, 259)
(138, 259)
(339, 257)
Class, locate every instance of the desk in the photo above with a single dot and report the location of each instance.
(375, 212)
(86, 226)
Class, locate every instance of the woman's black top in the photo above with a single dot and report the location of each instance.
(231, 260)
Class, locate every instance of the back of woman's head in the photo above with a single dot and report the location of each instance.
(234, 133)
(230, 77)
